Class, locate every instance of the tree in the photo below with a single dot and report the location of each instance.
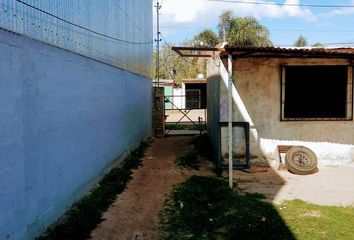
(301, 42)
(174, 67)
(247, 31)
(206, 38)
(224, 24)
(318, 45)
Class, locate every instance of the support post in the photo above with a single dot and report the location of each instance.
(229, 103)
(158, 40)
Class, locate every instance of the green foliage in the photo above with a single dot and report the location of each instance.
(224, 24)
(87, 213)
(190, 161)
(242, 31)
(247, 31)
(183, 127)
(174, 67)
(319, 45)
(206, 38)
(205, 208)
(202, 150)
(301, 42)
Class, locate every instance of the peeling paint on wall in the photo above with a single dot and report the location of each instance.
(256, 96)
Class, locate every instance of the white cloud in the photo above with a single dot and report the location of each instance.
(202, 12)
(339, 12)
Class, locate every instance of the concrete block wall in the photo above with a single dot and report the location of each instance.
(64, 119)
(158, 112)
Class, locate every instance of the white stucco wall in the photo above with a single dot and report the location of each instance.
(256, 96)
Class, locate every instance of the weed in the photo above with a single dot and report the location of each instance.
(184, 127)
(204, 208)
(86, 214)
(201, 149)
(189, 161)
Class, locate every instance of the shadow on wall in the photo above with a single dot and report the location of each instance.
(267, 133)
(270, 222)
(327, 139)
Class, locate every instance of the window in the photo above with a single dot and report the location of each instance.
(316, 93)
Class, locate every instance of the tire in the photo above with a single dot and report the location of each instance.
(301, 160)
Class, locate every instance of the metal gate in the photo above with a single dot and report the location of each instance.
(184, 113)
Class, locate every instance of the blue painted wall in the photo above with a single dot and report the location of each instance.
(123, 20)
(64, 118)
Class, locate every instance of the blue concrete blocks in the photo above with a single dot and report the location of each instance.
(64, 118)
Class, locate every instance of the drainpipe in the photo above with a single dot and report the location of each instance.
(229, 103)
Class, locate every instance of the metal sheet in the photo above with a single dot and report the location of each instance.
(128, 22)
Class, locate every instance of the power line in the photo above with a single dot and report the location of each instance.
(311, 30)
(325, 44)
(130, 19)
(283, 4)
(81, 27)
(169, 45)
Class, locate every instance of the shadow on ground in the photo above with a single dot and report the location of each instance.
(204, 207)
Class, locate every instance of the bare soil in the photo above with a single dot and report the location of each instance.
(135, 213)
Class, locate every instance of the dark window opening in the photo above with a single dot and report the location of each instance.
(316, 93)
(196, 96)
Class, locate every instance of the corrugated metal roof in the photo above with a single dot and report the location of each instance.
(246, 51)
(275, 52)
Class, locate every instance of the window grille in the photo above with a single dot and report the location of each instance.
(316, 93)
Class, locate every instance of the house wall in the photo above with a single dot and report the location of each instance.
(64, 119)
(214, 80)
(256, 97)
(168, 93)
(179, 100)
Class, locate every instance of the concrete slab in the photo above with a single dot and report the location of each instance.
(329, 186)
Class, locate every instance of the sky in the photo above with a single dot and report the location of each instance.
(183, 19)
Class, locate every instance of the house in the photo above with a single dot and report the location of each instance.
(195, 93)
(75, 99)
(282, 96)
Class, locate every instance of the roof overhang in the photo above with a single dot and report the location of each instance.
(193, 81)
(198, 51)
(264, 52)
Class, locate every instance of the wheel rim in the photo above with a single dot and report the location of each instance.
(301, 159)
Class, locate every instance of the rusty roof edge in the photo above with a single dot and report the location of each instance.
(179, 50)
(248, 51)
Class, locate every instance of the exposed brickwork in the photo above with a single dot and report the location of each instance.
(158, 112)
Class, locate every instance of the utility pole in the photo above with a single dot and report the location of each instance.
(158, 40)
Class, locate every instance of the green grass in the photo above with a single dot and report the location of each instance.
(190, 161)
(87, 213)
(201, 150)
(183, 127)
(309, 221)
(204, 208)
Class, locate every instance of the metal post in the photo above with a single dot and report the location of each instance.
(158, 40)
(229, 103)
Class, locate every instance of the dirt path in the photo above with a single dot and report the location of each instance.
(134, 215)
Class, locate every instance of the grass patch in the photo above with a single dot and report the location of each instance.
(309, 221)
(204, 208)
(190, 161)
(87, 213)
(183, 127)
(201, 149)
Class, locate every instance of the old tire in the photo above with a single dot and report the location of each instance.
(301, 160)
